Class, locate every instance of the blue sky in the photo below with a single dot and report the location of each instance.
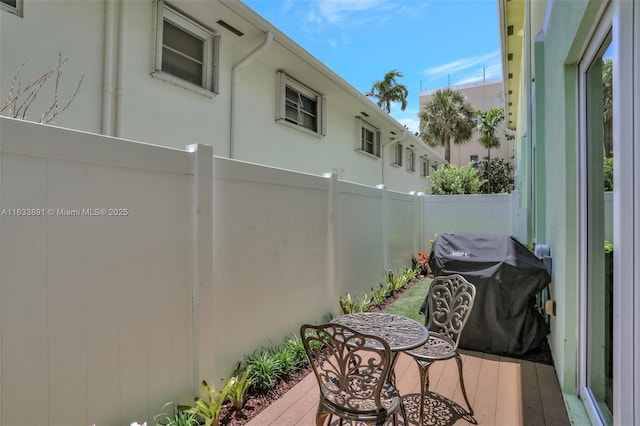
(431, 42)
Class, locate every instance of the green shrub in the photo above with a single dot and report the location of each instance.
(270, 365)
(502, 176)
(608, 173)
(449, 179)
(264, 370)
(294, 345)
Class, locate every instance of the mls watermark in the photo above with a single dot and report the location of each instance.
(65, 212)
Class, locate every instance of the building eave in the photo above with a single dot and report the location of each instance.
(511, 17)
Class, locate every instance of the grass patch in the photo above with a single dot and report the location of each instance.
(408, 304)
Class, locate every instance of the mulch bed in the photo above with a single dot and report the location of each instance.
(256, 403)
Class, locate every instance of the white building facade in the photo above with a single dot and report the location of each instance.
(216, 73)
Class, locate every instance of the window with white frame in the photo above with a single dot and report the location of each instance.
(474, 159)
(424, 167)
(300, 106)
(411, 160)
(186, 51)
(397, 154)
(367, 138)
(12, 6)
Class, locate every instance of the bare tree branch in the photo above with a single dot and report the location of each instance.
(19, 99)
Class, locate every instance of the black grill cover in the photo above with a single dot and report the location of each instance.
(507, 277)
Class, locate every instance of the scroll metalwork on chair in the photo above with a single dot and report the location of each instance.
(353, 371)
(450, 299)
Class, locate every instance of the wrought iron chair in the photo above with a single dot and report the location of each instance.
(450, 299)
(353, 373)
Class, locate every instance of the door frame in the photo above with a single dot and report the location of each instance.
(619, 17)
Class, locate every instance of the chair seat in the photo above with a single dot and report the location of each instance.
(389, 399)
(438, 347)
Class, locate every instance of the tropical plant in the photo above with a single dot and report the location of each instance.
(449, 179)
(608, 173)
(378, 295)
(487, 123)
(264, 370)
(209, 408)
(388, 90)
(422, 263)
(351, 305)
(294, 345)
(501, 174)
(176, 417)
(446, 117)
(237, 387)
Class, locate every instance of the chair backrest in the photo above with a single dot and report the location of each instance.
(351, 368)
(450, 302)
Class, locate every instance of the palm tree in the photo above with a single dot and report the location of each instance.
(389, 90)
(487, 123)
(447, 116)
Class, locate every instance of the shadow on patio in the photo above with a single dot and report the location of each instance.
(502, 391)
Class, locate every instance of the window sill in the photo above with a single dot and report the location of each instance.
(368, 154)
(396, 165)
(182, 84)
(300, 128)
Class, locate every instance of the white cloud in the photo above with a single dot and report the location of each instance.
(489, 72)
(336, 11)
(342, 16)
(408, 117)
(458, 66)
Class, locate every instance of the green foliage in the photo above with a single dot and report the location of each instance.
(265, 370)
(351, 305)
(209, 408)
(449, 179)
(487, 123)
(608, 247)
(389, 90)
(237, 387)
(293, 344)
(393, 283)
(608, 173)
(268, 366)
(501, 174)
(447, 116)
(177, 416)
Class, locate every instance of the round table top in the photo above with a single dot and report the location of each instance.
(401, 333)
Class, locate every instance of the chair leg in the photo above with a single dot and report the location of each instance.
(423, 366)
(464, 391)
(403, 410)
(320, 418)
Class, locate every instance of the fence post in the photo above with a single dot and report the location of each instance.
(333, 258)
(384, 206)
(202, 264)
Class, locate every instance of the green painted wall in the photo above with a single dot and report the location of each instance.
(555, 132)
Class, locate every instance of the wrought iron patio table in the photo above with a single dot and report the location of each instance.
(401, 333)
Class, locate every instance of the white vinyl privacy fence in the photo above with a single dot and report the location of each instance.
(130, 272)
